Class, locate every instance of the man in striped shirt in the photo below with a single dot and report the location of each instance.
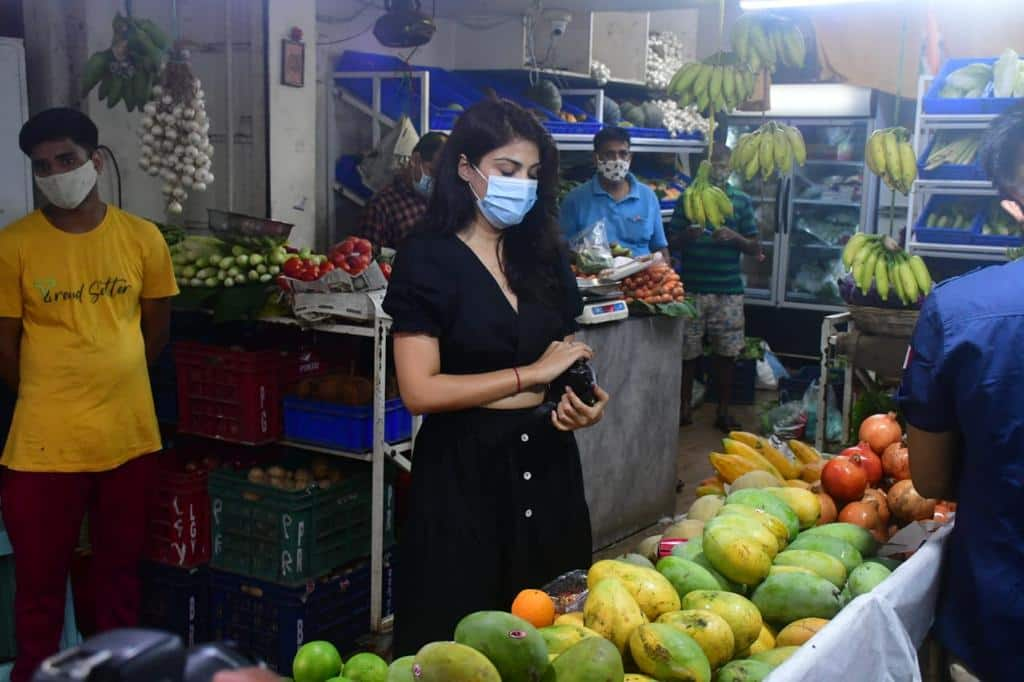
(710, 268)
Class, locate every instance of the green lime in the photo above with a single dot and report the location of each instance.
(316, 662)
(366, 667)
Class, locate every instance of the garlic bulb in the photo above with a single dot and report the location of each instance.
(664, 57)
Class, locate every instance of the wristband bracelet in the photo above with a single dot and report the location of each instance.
(519, 382)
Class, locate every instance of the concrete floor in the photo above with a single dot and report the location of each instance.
(695, 443)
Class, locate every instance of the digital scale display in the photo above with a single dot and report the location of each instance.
(604, 311)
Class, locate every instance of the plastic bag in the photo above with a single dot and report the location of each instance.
(700, 392)
(568, 591)
(592, 249)
(766, 379)
(788, 421)
(377, 169)
(833, 419)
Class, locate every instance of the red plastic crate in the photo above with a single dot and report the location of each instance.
(230, 394)
(179, 515)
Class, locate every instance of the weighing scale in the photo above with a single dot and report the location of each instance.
(602, 301)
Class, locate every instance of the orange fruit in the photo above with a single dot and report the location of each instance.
(535, 607)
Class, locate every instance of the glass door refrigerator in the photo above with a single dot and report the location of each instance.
(806, 217)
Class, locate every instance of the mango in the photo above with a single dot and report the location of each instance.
(860, 538)
(845, 597)
(765, 641)
(558, 638)
(651, 590)
(804, 503)
(612, 612)
(744, 671)
(775, 657)
(685, 529)
(453, 662)
(637, 677)
(668, 654)
(687, 576)
(779, 570)
(888, 562)
(765, 501)
(749, 526)
(592, 660)
(711, 632)
(733, 554)
(799, 631)
(788, 597)
(840, 549)
(573, 618)
(688, 549)
(867, 577)
(755, 479)
(648, 547)
(705, 508)
(636, 560)
(739, 612)
(513, 645)
(825, 565)
(774, 526)
(400, 670)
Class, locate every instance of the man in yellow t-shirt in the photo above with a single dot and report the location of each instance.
(85, 294)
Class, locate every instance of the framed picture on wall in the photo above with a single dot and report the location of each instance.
(293, 63)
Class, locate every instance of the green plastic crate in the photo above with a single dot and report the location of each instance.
(291, 537)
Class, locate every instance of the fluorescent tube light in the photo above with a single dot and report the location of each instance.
(783, 4)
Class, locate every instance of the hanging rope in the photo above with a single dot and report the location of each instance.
(896, 106)
(718, 62)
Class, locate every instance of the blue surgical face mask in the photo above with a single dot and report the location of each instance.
(424, 184)
(507, 200)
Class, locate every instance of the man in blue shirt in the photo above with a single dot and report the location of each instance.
(963, 399)
(630, 210)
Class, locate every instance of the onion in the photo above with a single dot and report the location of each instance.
(189, 112)
(191, 151)
(167, 189)
(188, 169)
(156, 130)
(179, 193)
(149, 108)
(199, 186)
(896, 461)
(175, 208)
(209, 178)
(195, 138)
(187, 181)
(880, 431)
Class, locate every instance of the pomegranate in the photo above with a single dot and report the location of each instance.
(843, 480)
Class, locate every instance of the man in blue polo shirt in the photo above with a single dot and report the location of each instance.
(963, 399)
(630, 210)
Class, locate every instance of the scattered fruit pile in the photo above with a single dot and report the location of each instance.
(890, 156)
(321, 474)
(657, 284)
(209, 262)
(721, 87)
(703, 202)
(878, 263)
(773, 147)
(175, 134)
(762, 40)
(127, 70)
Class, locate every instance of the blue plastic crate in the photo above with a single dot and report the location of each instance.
(346, 173)
(949, 171)
(942, 235)
(176, 600)
(272, 622)
(992, 239)
(933, 104)
(345, 428)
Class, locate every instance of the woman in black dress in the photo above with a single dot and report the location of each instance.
(484, 307)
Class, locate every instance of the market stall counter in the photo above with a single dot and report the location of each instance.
(629, 458)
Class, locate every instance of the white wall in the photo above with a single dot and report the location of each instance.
(292, 122)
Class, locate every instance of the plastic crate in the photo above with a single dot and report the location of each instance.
(233, 395)
(272, 622)
(344, 428)
(176, 600)
(942, 235)
(178, 510)
(744, 382)
(949, 171)
(933, 104)
(289, 537)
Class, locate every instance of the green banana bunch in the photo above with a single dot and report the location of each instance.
(705, 204)
(772, 147)
(890, 156)
(129, 68)
(763, 41)
(720, 87)
(878, 259)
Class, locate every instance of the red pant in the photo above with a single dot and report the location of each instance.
(43, 513)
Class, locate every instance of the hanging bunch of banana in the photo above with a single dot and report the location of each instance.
(129, 68)
(880, 260)
(720, 87)
(772, 147)
(703, 203)
(890, 156)
(762, 41)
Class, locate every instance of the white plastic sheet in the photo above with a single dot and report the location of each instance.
(877, 635)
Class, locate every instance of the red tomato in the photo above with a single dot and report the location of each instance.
(293, 267)
(356, 264)
(309, 273)
(326, 267)
(346, 247)
(282, 283)
(386, 269)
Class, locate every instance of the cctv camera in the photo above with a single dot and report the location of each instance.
(559, 23)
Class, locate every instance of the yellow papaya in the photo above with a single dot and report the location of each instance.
(668, 654)
(765, 641)
(806, 504)
(763, 446)
(738, 611)
(649, 589)
(734, 447)
(804, 452)
(799, 631)
(711, 632)
(611, 612)
(731, 467)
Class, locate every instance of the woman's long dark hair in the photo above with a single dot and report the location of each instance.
(531, 249)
